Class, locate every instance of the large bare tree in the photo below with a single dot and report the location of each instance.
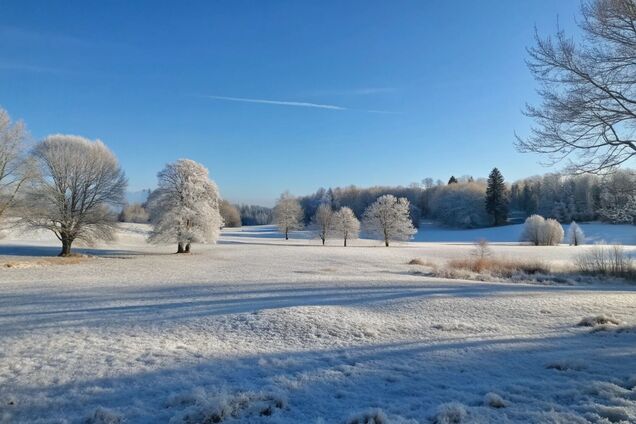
(78, 184)
(14, 165)
(588, 109)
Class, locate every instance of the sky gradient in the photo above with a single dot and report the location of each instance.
(276, 95)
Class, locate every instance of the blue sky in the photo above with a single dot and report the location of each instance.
(276, 95)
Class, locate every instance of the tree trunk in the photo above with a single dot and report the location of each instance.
(286, 234)
(345, 242)
(386, 242)
(323, 240)
(180, 247)
(66, 246)
(187, 248)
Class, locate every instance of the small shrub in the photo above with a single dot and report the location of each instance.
(542, 232)
(593, 321)
(606, 260)
(372, 416)
(451, 413)
(482, 249)
(494, 400)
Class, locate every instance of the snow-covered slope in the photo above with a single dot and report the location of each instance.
(261, 330)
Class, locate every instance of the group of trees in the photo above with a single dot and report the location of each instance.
(462, 202)
(73, 186)
(387, 218)
(611, 197)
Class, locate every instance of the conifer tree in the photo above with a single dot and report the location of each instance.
(497, 198)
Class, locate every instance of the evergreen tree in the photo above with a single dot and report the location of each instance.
(452, 180)
(497, 198)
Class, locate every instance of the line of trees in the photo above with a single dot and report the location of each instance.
(467, 202)
(388, 218)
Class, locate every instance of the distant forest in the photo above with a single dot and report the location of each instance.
(460, 202)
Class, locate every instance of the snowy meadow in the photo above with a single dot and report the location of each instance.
(263, 329)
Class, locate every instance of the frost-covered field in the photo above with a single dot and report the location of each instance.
(257, 329)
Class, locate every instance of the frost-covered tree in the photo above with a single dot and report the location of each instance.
(576, 236)
(230, 214)
(388, 218)
(552, 233)
(346, 225)
(184, 209)
(14, 164)
(322, 222)
(78, 184)
(542, 232)
(532, 229)
(497, 198)
(460, 205)
(288, 214)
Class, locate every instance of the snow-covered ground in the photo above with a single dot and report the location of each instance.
(259, 329)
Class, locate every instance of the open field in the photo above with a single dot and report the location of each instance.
(257, 329)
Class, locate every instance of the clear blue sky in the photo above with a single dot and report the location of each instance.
(362, 92)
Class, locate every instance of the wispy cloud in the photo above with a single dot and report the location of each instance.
(289, 103)
(276, 102)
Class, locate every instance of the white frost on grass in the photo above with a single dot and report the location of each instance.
(232, 330)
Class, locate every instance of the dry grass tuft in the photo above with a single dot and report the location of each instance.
(36, 263)
(499, 267)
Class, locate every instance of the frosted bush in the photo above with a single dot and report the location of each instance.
(575, 237)
(372, 416)
(451, 413)
(542, 232)
(593, 321)
(606, 260)
(494, 400)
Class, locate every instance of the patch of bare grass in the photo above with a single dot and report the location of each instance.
(499, 267)
(42, 262)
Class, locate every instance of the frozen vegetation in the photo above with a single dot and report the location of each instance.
(260, 329)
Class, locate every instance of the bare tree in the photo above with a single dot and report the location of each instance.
(389, 219)
(323, 221)
(15, 169)
(184, 209)
(78, 185)
(288, 214)
(346, 224)
(588, 113)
